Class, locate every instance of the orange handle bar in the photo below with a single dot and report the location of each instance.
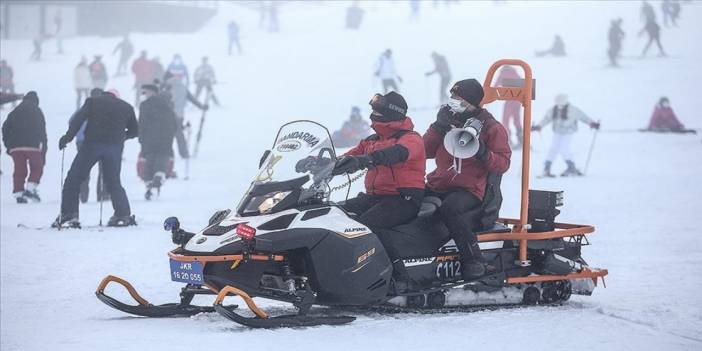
(130, 289)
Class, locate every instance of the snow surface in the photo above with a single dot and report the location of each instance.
(642, 191)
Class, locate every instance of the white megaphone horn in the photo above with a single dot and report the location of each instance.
(463, 142)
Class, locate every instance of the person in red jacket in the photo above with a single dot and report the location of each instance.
(396, 163)
(512, 111)
(664, 119)
(461, 183)
(143, 70)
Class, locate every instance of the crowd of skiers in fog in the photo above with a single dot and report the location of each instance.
(104, 120)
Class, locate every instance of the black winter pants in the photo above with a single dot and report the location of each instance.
(155, 162)
(88, 155)
(458, 211)
(382, 211)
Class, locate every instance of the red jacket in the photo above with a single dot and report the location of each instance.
(664, 118)
(143, 70)
(387, 180)
(474, 171)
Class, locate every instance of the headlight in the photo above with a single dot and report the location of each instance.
(268, 204)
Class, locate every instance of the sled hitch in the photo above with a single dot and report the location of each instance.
(146, 309)
(262, 320)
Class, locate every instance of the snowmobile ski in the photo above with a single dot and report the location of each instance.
(262, 320)
(146, 309)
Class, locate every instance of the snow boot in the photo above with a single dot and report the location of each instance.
(476, 266)
(66, 221)
(571, 171)
(401, 282)
(21, 199)
(547, 170)
(121, 221)
(31, 193)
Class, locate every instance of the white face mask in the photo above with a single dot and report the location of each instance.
(456, 106)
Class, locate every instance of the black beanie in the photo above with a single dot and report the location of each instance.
(469, 90)
(392, 106)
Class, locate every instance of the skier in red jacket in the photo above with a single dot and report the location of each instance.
(461, 183)
(512, 111)
(663, 118)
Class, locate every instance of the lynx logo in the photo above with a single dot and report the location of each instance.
(418, 261)
(354, 230)
(365, 256)
(290, 145)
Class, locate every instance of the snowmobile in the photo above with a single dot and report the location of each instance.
(287, 241)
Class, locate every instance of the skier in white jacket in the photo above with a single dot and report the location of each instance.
(82, 81)
(564, 117)
(385, 71)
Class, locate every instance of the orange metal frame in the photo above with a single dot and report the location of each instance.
(523, 95)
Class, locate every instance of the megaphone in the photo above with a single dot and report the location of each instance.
(463, 142)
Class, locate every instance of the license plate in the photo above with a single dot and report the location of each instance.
(187, 272)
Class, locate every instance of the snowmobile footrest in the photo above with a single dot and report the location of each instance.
(262, 320)
(144, 308)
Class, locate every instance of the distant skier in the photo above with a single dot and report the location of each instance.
(273, 25)
(24, 137)
(564, 117)
(98, 72)
(178, 69)
(126, 50)
(654, 34)
(354, 16)
(142, 68)
(110, 121)
(664, 119)
(205, 78)
(512, 111)
(648, 14)
(58, 25)
(385, 71)
(157, 128)
(158, 71)
(37, 43)
(7, 79)
(233, 34)
(414, 10)
(441, 67)
(180, 96)
(557, 49)
(354, 130)
(615, 36)
(82, 81)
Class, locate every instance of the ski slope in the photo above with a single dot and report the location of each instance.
(642, 191)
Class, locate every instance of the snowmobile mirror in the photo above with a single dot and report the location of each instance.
(263, 158)
(171, 224)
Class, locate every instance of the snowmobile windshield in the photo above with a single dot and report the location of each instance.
(295, 171)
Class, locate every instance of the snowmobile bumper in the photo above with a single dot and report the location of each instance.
(146, 309)
(263, 320)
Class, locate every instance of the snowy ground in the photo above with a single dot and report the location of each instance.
(642, 192)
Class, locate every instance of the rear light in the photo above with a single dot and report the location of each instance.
(245, 232)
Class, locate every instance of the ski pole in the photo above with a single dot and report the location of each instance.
(100, 190)
(187, 142)
(63, 155)
(592, 146)
(199, 130)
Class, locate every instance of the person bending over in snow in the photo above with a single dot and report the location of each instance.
(353, 130)
(663, 119)
(465, 188)
(564, 117)
(557, 49)
(24, 135)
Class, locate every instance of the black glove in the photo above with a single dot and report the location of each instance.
(351, 164)
(63, 141)
(205, 107)
(536, 128)
(595, 125)
(305, 164)
(443, 120)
